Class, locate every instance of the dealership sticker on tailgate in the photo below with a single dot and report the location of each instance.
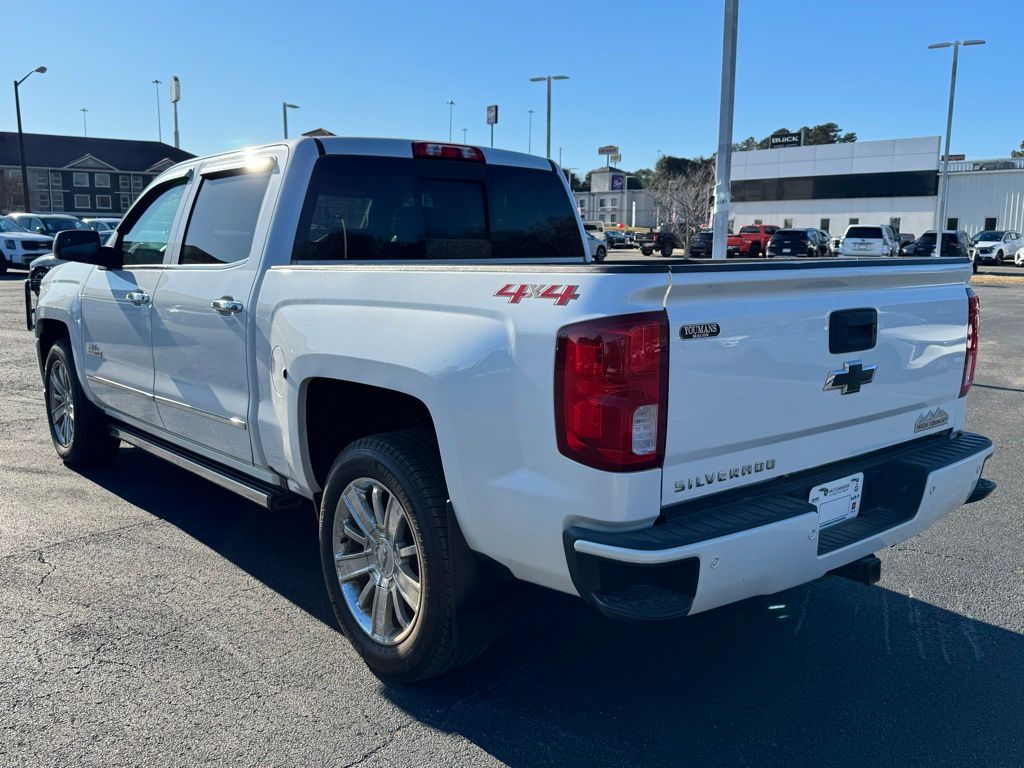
(837, 501)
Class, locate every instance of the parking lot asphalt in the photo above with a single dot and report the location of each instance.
(150, 618)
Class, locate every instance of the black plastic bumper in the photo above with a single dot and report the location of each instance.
(29, 314)
(894, 480)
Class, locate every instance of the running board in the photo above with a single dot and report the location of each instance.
(269, 497)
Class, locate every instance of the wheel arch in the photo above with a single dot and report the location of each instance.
(48, 333)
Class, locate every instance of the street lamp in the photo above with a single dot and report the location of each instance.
(451, 112)
(285, 106)
(21, 138)
(529, 136)
(548, 79)
(85, 125)
(940, 225)
(465, 132)
(159, 122)
(727, 98)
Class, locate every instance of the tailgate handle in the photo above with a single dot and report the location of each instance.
(852, 330)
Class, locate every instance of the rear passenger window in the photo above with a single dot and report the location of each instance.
(223, 221)
(383, 208)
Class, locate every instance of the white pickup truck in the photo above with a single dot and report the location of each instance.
(413, 336)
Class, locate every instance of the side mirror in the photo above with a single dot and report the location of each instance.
(40, 230)
(83, 245)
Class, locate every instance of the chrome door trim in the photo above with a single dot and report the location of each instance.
(232, 421)
(118, 385)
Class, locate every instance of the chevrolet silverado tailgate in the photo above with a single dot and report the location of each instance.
(775, 368)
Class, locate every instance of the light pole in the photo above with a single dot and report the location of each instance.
(285, 106)
(548, 79)
(723, 173)
(85, 125)
(21, 138)
(940, 225)
(159, 122)
(451, 113)
(175, 98)
(465, 132)
(529, 136)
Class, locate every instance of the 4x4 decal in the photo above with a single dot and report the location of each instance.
(561, 294)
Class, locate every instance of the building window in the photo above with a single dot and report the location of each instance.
(42, 200)
(103, 180)
(123, 183)
(602, 202)
(83, 201)
(103, 202)
(854, 220)
(136, 183)
(81, 179)
(787, 223)
(40, 178)
(955, 224)
(894, 222)
(600, 217)
(613, 218)
(56, 180)
(990, 223)
(126, 201)
(826, 225)
(758, 222)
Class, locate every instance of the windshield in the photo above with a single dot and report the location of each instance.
(874, 233)
(989, 234)
(9, 225)
(56, 224)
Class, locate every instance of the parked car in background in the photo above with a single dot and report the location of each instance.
(102, 223)
(18, 246)
(997, 245)
(700, 245)
(874, 240)
(751, 241)
(598, 247)
(48, 223)
(1018, 258)
(38, 268)
(835, 245)
(955, 244)
(596, 228)
(664, 242)
(616, 238)
(905, 239)
(789, 243)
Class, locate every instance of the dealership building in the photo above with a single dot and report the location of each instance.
(831, 186)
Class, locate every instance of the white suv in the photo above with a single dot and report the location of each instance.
(874, 240)
(997, 245)
(18, 246)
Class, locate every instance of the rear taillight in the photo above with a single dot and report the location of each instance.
(446, 151)
(611, 391)
(973, 329)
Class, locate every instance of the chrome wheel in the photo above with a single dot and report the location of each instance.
(62, 405)
(378, 561)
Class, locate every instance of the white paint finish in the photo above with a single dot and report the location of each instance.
(916, 214)
(768, 367)
(977, 195)
(919, 154)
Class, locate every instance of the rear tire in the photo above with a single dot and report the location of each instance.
(754, 251)
(646, 251)
(384, 515)
(78, 428)
(999, 258)
(3, 264)
(666, 251)
(601, 253)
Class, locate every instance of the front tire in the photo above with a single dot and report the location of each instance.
(601, 253)
(666, 251)
(754, 251)
(77, 427)
(3, 264)
(386, 556)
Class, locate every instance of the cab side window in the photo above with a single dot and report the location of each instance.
(224, 218)
(146, 240)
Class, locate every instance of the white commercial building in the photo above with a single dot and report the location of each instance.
(832, 186)
(611, 202)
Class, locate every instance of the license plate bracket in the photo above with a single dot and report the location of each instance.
(837, 500)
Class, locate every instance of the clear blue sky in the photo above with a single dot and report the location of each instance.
(644, 75)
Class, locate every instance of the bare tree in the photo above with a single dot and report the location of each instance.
(685, 194)
(11, 198)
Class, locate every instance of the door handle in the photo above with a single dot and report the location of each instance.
(138, 298)
(226, 305)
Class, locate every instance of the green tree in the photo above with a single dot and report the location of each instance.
(641, 178)
(746, 145)
(1018, 152)
(825, 133)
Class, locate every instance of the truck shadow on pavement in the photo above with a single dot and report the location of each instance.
(832, 673)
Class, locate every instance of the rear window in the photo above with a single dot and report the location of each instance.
(380, 208)
(750, 230)
(868, 232)
(789, 234)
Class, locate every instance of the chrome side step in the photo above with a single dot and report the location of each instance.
(267, 496)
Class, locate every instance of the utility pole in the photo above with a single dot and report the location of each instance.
(940, 224)
(159, 122)
(723, 173)
(548, 78)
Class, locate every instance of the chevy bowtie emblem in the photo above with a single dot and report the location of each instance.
(851, 377)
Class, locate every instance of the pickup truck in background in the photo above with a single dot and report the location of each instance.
(663, 241)
(751, 241)
(411, 339)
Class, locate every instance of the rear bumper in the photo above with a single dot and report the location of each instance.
(764, 539)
